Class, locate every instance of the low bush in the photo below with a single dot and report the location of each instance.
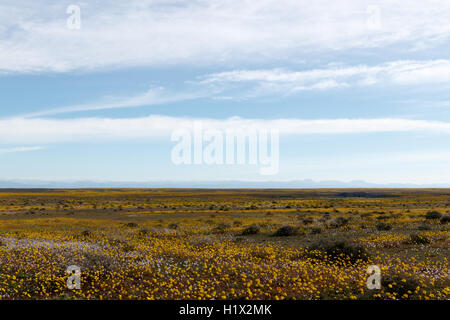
(86, 233)
(381, 226)
(402, 285)
(173, 226)
(341, 251)
(222, 227)
(131, 225)
(445, 219)
(432, 215)
(339, 222)
(286, 231)
(253, 229)
(418, 239)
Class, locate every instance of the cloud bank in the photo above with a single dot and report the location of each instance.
(34, 36)
(252, 83)
(40, 130)
(404, 72)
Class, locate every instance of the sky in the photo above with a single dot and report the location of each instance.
(354, 89)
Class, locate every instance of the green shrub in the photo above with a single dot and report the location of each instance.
(432, 215)
(173, 226)
(400, 284)
(286, 231)
(253, 229)
(131, 225)
(222, 227)
(381, 226)
(341, 251)
(418, 239)
(445, 219)
(86, 233)
(339, 222)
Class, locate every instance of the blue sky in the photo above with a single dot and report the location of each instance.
(359, 90)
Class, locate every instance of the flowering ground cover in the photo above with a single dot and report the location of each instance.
(224, 244)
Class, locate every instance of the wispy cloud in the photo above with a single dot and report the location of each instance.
(38, 130)
(184, 32)
(154, 96)
(269, 81)
(251, 83)
(20, 149)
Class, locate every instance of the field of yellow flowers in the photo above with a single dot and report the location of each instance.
(224, 244)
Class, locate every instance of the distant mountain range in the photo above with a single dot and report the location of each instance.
(209, 184)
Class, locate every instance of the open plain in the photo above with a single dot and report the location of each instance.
(224, 244)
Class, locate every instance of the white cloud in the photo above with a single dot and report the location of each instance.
(154, 96)
(34, 37)
(279, 80)
(19, 149)
(276, 81)
(38, 130)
